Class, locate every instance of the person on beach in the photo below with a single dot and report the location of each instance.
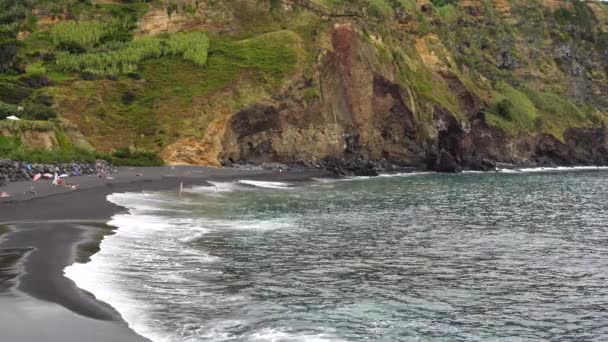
(98, 167)
(101, 169)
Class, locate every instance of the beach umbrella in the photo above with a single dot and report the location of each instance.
(47, 175)
(63, 176)
(37, 177)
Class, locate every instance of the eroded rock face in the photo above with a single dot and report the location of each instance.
(159, 20)
(33, 139)
(363, 118)
(359, 115)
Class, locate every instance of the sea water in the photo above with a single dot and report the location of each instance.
(469, 257)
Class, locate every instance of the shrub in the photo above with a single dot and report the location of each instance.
(563, 16)
(36, 81)
(7, 110)
(12, 14)
(512, 110)
(39, 112)
(8, 53)
(380, 8)
(124, 58)
(128, 97)
(127, 157)
(80, 36)
(441, 3)
(504, 108)
(192, 46)
(45, 99)
(8, 145)
(408, 5)
(448, 13)
(311, 94)
(64, 155)
(13, 92)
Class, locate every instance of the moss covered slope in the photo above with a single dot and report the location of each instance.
(423, 83)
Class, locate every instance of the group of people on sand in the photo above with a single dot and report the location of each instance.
(101, 169)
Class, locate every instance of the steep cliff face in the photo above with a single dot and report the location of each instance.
(374, 109)
(468, 117)
(431, 84)
(359, 113)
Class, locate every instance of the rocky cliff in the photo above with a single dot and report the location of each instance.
(442, 85)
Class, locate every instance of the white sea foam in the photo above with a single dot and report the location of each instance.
(259, 225)
(214, 188)
(102, 276)
(219, 188)
(382, 175)
(276, 335)
(267, 185)
(326, 180)
(405, 174)
(138, 276)
(197, 236)
(509, 170)
(554, 169)
(134, 249)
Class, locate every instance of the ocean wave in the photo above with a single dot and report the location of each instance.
(553, 169)
(264, 184)
(214, 188)
(276, 335)
(150, 261)
(197, 236)
(96, 278)
(238, 284)
(221, 188)
(382, 175)
(131, 264)
(327, 180)
(258, 224)
(406, 174)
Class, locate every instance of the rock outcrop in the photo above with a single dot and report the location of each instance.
(362, 116)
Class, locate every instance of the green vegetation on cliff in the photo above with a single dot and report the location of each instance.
(123, 58)
(141, 75)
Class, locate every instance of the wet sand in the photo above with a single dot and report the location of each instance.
(41, 234)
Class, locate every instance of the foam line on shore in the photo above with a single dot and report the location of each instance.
(265, 184)
(553, 169)
(132, 258)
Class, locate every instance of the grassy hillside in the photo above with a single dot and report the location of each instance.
(140, 75)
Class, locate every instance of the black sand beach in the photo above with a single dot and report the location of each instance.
(41, 234)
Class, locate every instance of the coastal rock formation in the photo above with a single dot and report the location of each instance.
(360, 114)
(349, 85)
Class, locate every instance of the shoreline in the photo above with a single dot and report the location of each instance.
(60, 227)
